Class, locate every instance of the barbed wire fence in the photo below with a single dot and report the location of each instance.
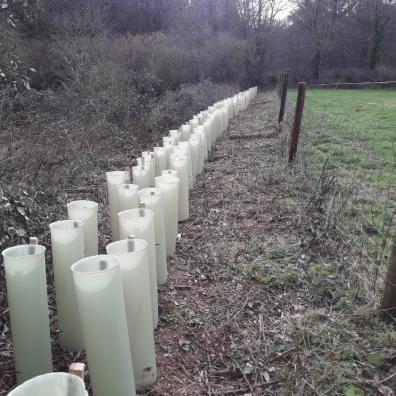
(355, 189)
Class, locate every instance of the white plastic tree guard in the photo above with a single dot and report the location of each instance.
(100, 302)
(140, 223)
(153, 198)
(114, 179)
(67, 240)
(52, 384)
(87, 212)
(28, 304)
(133, 257)
(169, 185)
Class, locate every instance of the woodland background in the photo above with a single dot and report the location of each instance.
(86, 84)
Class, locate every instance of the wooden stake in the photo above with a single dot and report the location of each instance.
(388, 302)
(142, 206)
(33, 242)
(131, 242)
(77, 369)
(295, 135)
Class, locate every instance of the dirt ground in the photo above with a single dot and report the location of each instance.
(238, 315)
(216, 330)
(214, 318)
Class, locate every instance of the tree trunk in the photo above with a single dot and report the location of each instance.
(380, 21)
(316, 65)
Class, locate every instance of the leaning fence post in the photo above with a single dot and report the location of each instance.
(295, 135)
(388, 302)
(283, 95)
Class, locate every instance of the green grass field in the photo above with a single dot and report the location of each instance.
(355, 129)
(355, 132)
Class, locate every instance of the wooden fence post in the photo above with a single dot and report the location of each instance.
(283, 96)
(295, 135)
(388, 302)
(279, 84)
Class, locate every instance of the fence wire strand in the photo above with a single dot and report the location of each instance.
(365, 214)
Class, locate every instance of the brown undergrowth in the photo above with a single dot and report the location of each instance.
(256, 303)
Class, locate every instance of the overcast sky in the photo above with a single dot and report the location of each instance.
(286, 11)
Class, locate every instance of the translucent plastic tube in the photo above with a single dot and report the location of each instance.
(229, 109)
(187, 148)
(195, 142)
(194, 123)
(236, 106)
(169, 185)
(180, 163)
(169, 141)
(194, 145)
(140, 223)
(153, 199)
(202, 149)
(176, 134)
(171, 172)
(186, 131)
(127, 197)
(28, 304)
(100, 301)
(149, 162)
(114, 179)
(201, 130)
(218, 124)
(142, 176)
(224, 113)
(52, 384)
(202, 117)
(208, 133)
(87, 212)
(161, 159)
(67, 240)
(179, 150)
(204, 144)
(133, 257)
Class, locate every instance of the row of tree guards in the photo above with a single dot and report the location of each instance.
(108, 304)
(388, 301)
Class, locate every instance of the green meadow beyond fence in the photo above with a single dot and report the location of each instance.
(350, 137)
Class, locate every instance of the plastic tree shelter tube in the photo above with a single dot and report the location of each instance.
(133, 257)
(153, 199)
(180, 163)
(87, 212)
(28, 304)
(113, 180)
(140, 222)
(127, 197)
(52, 384)
(161, 159)
(100, 301)
(169, 185)
(142, 176)
(67, 240)
(187, 148)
